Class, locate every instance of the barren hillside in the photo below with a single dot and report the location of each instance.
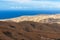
(29, 30)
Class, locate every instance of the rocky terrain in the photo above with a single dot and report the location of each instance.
(29, 30)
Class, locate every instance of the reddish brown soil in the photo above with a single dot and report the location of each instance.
(28, 30)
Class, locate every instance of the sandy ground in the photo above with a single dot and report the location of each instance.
(36, 18)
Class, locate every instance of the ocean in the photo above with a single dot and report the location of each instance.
(16, 13)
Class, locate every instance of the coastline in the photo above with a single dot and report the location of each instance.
(35, 18)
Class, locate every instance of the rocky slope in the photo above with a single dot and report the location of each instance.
(29, 30)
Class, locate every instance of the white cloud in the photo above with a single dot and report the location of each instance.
(29, 4)
(18, 0)
(40, 5)
(15, 7)
(47, 5)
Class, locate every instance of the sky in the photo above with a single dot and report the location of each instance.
(29, 4)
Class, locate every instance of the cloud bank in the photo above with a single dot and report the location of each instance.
(30, 4)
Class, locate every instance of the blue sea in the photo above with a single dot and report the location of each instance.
(16, 13)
